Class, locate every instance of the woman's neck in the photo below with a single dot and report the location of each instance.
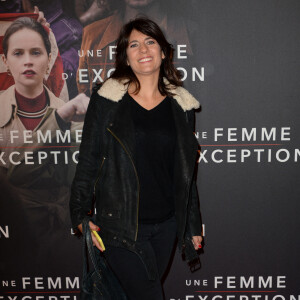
(149, 94)
(29, 92)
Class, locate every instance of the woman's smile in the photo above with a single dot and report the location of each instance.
(145, 59)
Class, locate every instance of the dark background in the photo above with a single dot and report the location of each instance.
(250, 51)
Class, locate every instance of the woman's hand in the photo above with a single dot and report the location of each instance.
(75, 109)
(41, 17)
(96, 228)
(197, 240)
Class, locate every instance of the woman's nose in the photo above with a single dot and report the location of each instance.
(143, 48)
(27, 59)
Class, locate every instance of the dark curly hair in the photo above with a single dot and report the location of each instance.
(167, 69)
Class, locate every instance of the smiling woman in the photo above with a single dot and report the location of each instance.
(138, 156)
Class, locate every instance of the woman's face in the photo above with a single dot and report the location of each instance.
(27, 59)
(144, 54)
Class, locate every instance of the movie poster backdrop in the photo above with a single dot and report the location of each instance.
(240, 59)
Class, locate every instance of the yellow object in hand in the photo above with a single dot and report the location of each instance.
(98, 239)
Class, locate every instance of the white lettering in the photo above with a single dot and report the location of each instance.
(63, 136)
(112, 51)
(27, 135)
(281, 282)
(11, 158)
(54, 285)
(285, 132)
(283, 159)
(244, 153)
(217, 134)
(247, 284)
(55, 154)
(44, 137)
(72, 285)
(248, 136)
(217, 281)
(5, 232)
(199, 75)
(25, 281)
(181, 49)
(202, 156)
(39, 283)
(213, 156)
(82, 74)
(1, 158)
(231, 133)
(98, 75)
(231, 155)
(28, 156)
(231, 282)
(13, 136)
(41, 155)
(109, 72)
(264, 134)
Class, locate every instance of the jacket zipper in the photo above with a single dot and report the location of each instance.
(99, 173)
(138, 182)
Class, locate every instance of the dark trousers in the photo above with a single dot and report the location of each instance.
(129, 267)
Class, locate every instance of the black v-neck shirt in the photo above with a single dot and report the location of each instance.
(155, 137)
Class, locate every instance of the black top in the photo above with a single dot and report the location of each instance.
(155, 137)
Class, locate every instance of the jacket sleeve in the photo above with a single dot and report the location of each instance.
(88, 161)
(194, 222)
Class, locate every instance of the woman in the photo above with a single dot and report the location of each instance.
(29, 104)
(138, 156)
(31, 117)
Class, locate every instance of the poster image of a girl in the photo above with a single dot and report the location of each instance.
(34, 162)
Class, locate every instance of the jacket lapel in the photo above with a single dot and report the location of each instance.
(122, 127)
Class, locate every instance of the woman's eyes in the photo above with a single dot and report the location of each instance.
(148, 42)
(33, 52)
(36, 52)
(17, 53)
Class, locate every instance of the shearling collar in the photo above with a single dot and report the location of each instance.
(114, 90)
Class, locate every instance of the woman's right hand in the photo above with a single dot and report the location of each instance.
(75, 109)
(96, 228)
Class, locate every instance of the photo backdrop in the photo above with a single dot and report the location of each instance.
(240, 59)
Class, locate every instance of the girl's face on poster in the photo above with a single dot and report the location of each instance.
(27, 59)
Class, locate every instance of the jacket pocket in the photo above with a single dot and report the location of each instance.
(99, 173)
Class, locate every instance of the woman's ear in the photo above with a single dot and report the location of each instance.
(48, 67)
(4, 60)
(49, 58)
(163, 55)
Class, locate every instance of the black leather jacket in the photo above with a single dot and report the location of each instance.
(107, 169)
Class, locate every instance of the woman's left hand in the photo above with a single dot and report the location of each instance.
(75, 109)
(41, 17)
(197, 240)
